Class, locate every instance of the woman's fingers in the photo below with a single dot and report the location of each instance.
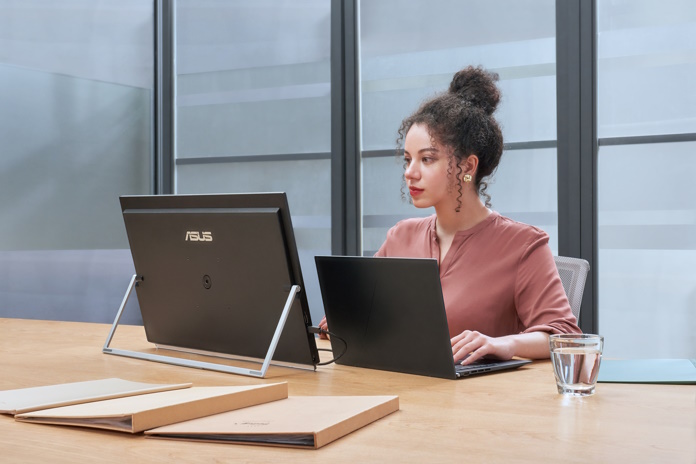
(469, 346)
(323, 325)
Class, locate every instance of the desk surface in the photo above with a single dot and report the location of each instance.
(515, 416)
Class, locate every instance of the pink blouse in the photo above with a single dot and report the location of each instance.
(498, 278)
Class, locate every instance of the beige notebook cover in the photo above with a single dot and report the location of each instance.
(137, 413)
(299, 421)
(51, 396)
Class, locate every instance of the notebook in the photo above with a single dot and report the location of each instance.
(51, 396)
(667, 371)
(297, 422)
(135, 414)
(391, 313)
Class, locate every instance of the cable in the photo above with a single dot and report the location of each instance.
(317, 330)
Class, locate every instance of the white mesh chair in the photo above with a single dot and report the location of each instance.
(573, 272)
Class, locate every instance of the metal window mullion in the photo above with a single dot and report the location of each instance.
(577, 142)
(345, 129)
(589, 249)
(511, 146)
(164, 104)
(644, 139)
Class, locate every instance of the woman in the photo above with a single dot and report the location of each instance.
(502, 292)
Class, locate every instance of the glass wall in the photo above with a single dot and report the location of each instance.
(253, 113)
(409, 51)
(76, 131)
(253, 109)
(647, 195)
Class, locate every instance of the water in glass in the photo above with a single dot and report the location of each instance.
(576, 369)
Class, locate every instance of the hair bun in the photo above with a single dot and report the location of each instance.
(477, 86)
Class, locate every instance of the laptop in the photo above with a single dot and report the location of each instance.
(391, 314)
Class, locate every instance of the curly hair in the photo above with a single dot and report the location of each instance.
(462, 119)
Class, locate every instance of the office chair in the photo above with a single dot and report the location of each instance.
(573, 272)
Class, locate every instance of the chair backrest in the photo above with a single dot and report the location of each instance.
(573, 272)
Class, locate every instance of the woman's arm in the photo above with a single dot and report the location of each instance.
(533, 345)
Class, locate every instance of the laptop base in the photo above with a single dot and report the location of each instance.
(485, 366)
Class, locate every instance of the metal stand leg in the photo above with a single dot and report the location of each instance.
(200, 364)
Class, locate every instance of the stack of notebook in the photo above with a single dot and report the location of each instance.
(260, 414)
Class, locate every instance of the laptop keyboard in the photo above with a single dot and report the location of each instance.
(475, 367)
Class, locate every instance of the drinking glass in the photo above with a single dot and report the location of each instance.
(576, 359)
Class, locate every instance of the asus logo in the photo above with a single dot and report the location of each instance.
(195, 236)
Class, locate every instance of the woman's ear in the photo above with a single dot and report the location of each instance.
(470, 166)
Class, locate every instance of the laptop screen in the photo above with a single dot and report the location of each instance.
(390, 312)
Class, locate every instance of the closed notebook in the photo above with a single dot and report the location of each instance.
(138, 413)
(661, 371)
(51, 396)
(299, 421)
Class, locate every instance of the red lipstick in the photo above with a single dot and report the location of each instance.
(414, 191)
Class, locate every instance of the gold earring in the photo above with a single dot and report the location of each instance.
(467, 177)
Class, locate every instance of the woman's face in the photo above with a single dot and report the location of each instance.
(426, 163)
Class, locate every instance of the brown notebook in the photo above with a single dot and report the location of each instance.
(64, 394)
(137, 413)
(299, 421)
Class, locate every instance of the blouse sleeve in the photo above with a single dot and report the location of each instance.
(383, 250)
(541, 302)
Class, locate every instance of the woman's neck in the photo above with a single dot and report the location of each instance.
(471, 213)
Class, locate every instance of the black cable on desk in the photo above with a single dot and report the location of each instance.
(317, 330)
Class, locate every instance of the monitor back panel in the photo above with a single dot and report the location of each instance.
(390, 311)
(215, 280)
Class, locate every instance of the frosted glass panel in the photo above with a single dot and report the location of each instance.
(646, 68)
(71, 146)
(252, 77)
(265, 176)
(647, 196)
(75, 121)
(76, 132)
(253, 128)
(647, 249)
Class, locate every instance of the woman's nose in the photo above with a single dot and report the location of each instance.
(411, 171)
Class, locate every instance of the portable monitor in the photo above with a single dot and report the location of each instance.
(220, 274)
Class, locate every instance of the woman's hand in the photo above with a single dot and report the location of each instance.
(473, 346)
(324, 326)
(532, 345)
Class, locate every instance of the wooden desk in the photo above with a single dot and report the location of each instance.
(507, 417)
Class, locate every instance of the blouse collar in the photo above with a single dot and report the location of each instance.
(467, 232)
